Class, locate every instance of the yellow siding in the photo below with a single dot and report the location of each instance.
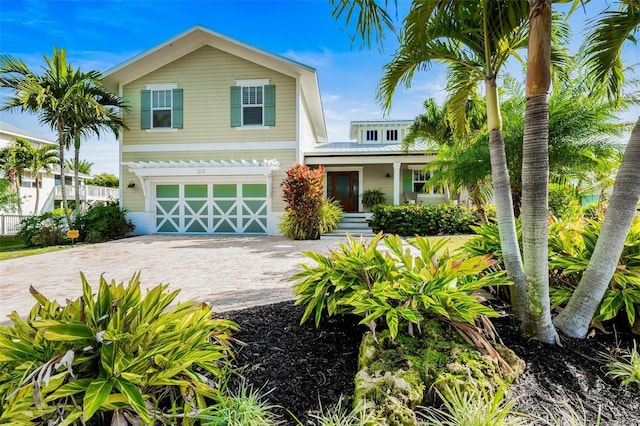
(205, 76)
(375, 177)
(133, 197)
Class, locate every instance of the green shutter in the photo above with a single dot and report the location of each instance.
(145, 109)
(270, 105)
(236, 106)
(177, 109)
(407, 180)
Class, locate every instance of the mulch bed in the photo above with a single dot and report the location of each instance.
(304, 368)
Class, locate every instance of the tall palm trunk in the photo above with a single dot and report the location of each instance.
(15, 177)
(576, 317)
(504, 206)
(76, 162)
(61, 146)
(535, 176)
(37, 180)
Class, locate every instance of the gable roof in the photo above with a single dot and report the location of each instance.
(16, 132)
(198, 37)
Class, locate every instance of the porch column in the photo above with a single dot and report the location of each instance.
(396, 184)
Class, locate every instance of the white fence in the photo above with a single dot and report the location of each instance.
(10, 223)
(88, 193)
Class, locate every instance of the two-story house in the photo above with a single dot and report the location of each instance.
(214, 125)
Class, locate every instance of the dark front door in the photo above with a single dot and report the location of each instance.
(343, 187)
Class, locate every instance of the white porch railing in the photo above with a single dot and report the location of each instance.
(10, 224)
(88, 193)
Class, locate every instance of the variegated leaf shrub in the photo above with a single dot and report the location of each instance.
(113, 357)
(398, 285)
(570, 248)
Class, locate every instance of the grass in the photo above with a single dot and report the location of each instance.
(455, 241)
(12, 247)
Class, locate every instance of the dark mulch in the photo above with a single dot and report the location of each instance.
(305, 367)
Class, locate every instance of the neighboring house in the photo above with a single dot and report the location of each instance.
(50, 190)
(214, 126)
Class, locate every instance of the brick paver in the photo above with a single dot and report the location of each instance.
(228, 272)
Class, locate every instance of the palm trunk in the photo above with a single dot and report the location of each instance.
(535, 216)
(61, 146)
(504, 206)
(36, 210)
(76, 162)
(574, 320)
(535, 176)
(16, 183)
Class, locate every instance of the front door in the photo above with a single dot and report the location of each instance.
(343, 187)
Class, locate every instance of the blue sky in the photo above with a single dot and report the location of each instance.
(102, 34)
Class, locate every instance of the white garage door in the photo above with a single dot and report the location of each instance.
(237, 208)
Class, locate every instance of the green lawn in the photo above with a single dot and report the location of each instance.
(12, 247)
(455, 241)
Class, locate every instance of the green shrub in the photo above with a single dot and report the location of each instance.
(329, 216)
(42, 231)
(303, 195)
(487, 240)
(111, 354)
(103, 222)
(394, 286)
(564, 203)
(570, 248)
(410, 220)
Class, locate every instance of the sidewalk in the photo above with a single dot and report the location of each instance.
(228, 272)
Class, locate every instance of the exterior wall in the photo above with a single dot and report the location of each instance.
(375, 176)
(205, 76)
(307, 138)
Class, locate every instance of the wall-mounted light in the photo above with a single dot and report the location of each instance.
(131, 185)
(388, 175)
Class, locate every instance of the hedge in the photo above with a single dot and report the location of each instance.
(410, 220)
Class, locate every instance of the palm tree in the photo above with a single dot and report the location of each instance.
(475, 40)
(41, 160)
(603, 47)
(61, 96)
(535, 176)
(82, 166)
(14, 160)
(84, 124)
(460, 162)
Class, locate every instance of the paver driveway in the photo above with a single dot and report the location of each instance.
(230, 272)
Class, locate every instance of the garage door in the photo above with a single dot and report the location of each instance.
(238, 208)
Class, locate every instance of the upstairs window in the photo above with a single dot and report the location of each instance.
(253, 104)
(392, 135)
(161, 107)
(372, 135)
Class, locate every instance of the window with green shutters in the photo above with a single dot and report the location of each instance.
(161, 109)
(253, 105)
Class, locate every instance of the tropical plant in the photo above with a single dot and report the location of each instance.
(62, 97)
(563, 202)
(477, 408)
(104, 179)
(330, 215)
(240, 407)
(571, 246)
(602, 46)
(103, 222)
(43, 230)
(372, 197)
(624, 366)
(83, 166)
(303, 196)
(111, 355)
(394, 286)
(14, 160)
(341, 415)
(8, 199)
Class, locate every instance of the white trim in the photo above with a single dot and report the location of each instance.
(162, 129)
(165, 86)
(253, 126)
(243, 83)
(210, 146)
(416, 166)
